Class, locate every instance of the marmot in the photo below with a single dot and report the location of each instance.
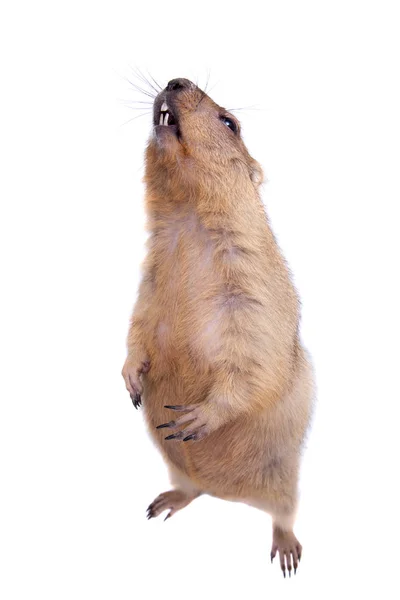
(213, 345)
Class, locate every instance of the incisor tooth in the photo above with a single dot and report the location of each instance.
(164, 107)
(166, 118)
(161, 119)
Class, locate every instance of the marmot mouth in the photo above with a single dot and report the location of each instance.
(166, 116)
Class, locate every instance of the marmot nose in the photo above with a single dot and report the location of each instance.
(178, 84)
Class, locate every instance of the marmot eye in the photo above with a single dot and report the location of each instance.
(229, 123)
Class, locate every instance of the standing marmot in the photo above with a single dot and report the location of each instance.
(213, 346)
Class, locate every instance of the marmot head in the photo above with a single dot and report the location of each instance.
(196, 142)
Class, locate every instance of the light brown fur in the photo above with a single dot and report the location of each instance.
(216, 321)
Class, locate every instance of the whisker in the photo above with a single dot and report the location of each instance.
(203, 95)
(144, 79)
(132, 102)
(206, 91)
(155, 81)
(136, 117)
(208, 79)
(211, 89)
(140, 89)
(143, 102)
(135, 107)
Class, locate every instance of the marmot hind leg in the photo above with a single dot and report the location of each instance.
(283, 512)
(289, 548)
(185, 491)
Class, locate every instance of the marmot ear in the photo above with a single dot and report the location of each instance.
(256, 173)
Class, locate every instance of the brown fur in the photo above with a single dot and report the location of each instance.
(217, 316)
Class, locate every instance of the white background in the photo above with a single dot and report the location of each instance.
(77, 466)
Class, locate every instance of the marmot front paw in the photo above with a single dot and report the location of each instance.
(201, 418)
(131, 373)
